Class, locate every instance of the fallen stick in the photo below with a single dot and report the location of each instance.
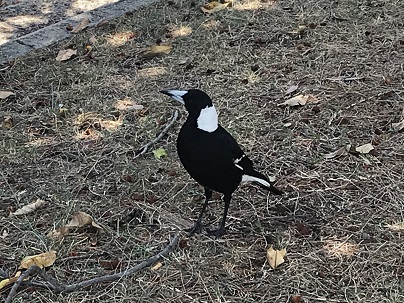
(57, 287)
(145, 147)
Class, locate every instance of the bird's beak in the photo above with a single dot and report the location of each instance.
(175, 94)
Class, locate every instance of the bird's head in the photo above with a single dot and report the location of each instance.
(199, 106)
(193, 99)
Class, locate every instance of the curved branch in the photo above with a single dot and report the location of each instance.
(145, 147)
(32, 270)
(57, 287)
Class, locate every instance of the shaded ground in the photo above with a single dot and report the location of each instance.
(333, 221)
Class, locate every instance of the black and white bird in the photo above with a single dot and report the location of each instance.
(211, 155)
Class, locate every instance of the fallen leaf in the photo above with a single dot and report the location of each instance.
(156, 266)
(65, 54)
(41, 260)
(365, 149)
(63, 111)
(156, 50)
(291, 89)
(127, 105)
(399, 226)
(300, 100)
(4, 94)
(7, 122)
(213, 7)
(59, 232)
(82, 25)
(296, 299)
(93, 40)
(4, 234)
(340, 152)
(398, 126)
(303, 229)
(29, 208)
(110, 264)
(160, 152)
(341, 248)
(275, 257)
(8, 281)
(127, 178)
(81, 219)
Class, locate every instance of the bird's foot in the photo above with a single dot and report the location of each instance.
(217, 233)
(195, 229)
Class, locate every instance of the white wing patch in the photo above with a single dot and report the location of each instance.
(207, 119)
(238, 166)
(237, 161)
(247, 178)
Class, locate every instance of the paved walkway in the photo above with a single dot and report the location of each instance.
(26, 25)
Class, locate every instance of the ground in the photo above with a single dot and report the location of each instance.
(337, 217)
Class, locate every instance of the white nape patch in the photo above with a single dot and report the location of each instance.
(177, 95)
(207, 119)
(247, 178)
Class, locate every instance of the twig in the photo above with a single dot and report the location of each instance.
(57, 287)
(145, 147)
(32, 270)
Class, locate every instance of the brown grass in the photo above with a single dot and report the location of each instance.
(333, 221)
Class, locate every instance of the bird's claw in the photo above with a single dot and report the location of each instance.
(217, 233)
(195, 229)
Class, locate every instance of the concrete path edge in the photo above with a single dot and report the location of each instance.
(57, 32)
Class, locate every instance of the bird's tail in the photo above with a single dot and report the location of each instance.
(262, 181)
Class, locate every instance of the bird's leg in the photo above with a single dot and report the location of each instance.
(197, 227)
(222, 229)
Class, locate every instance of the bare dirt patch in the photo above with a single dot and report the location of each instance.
(334, 219)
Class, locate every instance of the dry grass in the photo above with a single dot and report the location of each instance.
(246, 57)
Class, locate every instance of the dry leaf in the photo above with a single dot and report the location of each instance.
(296, 299)
(29, 208)
(340, 152)
(291, 89)
(8, 281)
(213, 7)
(5, 234)
(156, 50)
(156, 266)
(82, 25)
(93, 40)
(365, 149)
(127, 105)
(339, 249)
(7, 122)
(4, 94)
(300, 100)
(80, 219)
(59, 232)
(41, 260)
(399, 226)
(275, 257)
(159, 153)
(65, 54)
(398, 126)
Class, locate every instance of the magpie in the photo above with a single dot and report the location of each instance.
(211, 155)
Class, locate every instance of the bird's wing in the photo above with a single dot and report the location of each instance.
(242, 162)
(231, 146)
